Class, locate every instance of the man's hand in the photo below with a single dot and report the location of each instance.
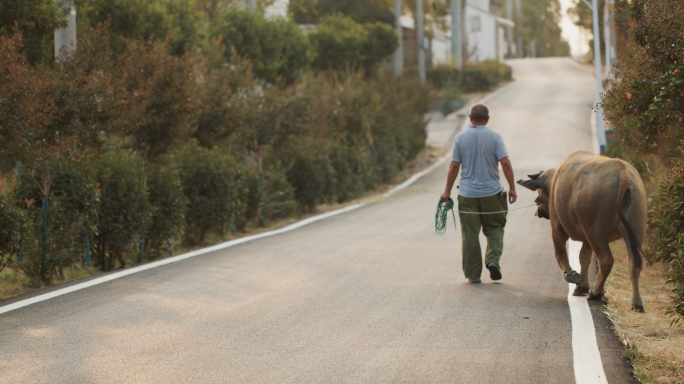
(445, 196)
(512, 196)
(508, 172)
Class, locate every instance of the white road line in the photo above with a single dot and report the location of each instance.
(170, 260)
(586, 355)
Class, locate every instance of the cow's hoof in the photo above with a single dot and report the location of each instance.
(638, 308)
(580, 291)
(573, 277)
(592, 296)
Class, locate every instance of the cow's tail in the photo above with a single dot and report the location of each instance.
(623, 201)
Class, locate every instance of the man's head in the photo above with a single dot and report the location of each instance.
(479, 114)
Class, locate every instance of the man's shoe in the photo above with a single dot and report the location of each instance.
(475, 281)
(494, 271)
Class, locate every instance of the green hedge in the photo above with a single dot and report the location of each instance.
(89, 133)
(169, 206)
(11, 220)
(666, 217)
(478, 77)
(124, 211)
(70, 208)
(207, 179)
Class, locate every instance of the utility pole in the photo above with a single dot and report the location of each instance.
(421, 52)
(66, 37)
(456, 37)
(518, 26)
(509, 29)
(399, 54)
(597, 69)
(533, 49)
(609, 36)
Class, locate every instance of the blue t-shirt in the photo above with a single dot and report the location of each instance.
(479, 150)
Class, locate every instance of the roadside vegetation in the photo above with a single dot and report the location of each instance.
(651, 343)
(644, 107)
(159, 134)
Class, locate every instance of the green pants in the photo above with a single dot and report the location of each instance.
(492, 226)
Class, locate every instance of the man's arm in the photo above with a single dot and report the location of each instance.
(451, 178)
(508, 172)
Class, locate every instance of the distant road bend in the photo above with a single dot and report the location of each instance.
(372, 295)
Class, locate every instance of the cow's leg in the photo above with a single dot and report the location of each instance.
(634, 273)
(585, 259)
(605, 261)
(560, 241)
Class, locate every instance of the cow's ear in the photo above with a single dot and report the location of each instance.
(535, 176)
(530, 184)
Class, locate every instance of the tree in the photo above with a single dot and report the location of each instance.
(645, 107)
(46, 116)
(344, 45)
(124, 209)
(220, 93)
(277, 48)
(361, 11)
(540, 23)
(178, 20)
(162, 91)
(37, 21)
(207, 179)
(272, 115)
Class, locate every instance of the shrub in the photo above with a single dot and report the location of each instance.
(249, 195)
(667, 223)
(308, 174)
(278, 198)
(361, 11)
(277, 48)
(645, 106)
(168, 208)
(37, 20)
(11, 219)
(71, 215)
(341, 44)
(208, 179)
(398, 129)
(351, 170)
(473, 78)
(442, 75)
(221, 94)
(124, 210)
(145, 20)
(484, 76)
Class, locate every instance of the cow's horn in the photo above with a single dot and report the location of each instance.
(535, 176)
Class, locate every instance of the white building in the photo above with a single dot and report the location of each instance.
(484, 32)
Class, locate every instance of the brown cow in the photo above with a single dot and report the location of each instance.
(595, 200)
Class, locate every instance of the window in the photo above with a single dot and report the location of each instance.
(475, 24)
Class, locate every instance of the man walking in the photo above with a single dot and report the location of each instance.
(479, 151)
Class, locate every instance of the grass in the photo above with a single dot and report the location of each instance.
(655, 348)
(13, 283)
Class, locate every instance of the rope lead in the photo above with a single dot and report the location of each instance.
(443, 208)
(441, 215)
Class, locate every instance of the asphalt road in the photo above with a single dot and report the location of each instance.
(373, 295)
